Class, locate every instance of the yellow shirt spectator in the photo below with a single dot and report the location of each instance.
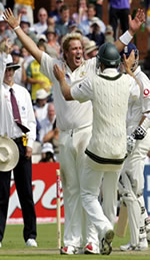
(25, 2)
(37, 79)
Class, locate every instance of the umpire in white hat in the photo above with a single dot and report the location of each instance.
(17, 122)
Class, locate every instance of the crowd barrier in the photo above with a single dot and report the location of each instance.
(44, 192)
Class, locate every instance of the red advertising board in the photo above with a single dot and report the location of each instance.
(44, 193)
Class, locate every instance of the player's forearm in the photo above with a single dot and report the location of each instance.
(65, 89)
(29, 44)
(124, 40)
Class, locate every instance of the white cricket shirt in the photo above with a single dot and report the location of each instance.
(70, 114)
(110, 103)
(138, 107)
(7, 124)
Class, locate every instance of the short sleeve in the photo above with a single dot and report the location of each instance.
(82, 91)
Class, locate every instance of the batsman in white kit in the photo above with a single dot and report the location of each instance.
(131, 183)
(109, 92)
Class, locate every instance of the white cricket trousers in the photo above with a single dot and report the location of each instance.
(133, 185)
(90, 188)
(72, 144)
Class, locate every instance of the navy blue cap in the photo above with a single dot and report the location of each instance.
(16, 52)
(128, 49)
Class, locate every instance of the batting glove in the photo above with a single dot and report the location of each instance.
(130, 144)
(139, 133)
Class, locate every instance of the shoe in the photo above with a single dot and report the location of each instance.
(0, 244)
(91, 249)
(127, 247)
(143, 245)
(68, 250)
(31, 242)
(106, 247)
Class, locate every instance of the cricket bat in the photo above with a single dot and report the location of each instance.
(122, 221)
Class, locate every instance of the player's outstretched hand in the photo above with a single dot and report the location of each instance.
(59, 74)
(11, 19)
(139, 19)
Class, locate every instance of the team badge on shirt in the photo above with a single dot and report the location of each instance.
(146, 92)
(82, 74)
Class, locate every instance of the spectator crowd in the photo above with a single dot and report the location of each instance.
(63, 50)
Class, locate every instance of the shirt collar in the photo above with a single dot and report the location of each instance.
(110, 71)
(137, 71)
(8, 87)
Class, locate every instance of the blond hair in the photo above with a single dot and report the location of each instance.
(66, 41)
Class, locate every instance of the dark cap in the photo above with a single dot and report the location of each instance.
(10, 64)
(128, 49)
(16, 52)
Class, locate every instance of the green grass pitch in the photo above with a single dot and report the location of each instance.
(13, 246)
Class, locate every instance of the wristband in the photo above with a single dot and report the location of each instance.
(17, 27)
(126, 38)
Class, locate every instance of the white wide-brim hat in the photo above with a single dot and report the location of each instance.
(9, 154)
(90, 46)
(41, 94)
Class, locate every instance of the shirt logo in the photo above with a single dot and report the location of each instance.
(67, 76)
(82, 74)
(6, 96)
(146, 92)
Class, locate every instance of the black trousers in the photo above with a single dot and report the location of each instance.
(23, 181)
(122, 16)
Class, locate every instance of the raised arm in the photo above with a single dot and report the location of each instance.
(134, 25)
(26, 41)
